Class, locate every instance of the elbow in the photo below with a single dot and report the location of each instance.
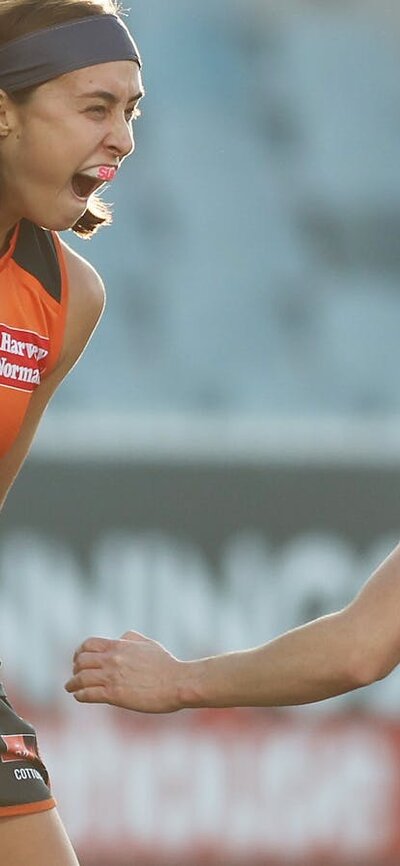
(369, 654)
(369, 668)
(364, 675)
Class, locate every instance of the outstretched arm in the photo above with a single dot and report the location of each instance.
(329, 656)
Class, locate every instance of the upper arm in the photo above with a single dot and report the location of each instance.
(374, 618)
(86, 304)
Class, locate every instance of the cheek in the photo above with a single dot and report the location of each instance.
(45, 152)
(34, 153)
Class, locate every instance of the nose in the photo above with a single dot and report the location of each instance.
(120, 139)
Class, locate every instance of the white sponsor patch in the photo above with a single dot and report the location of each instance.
(23, 358)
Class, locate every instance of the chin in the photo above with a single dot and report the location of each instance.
(54, 215)
(60, 223)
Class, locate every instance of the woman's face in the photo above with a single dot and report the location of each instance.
(76, 122)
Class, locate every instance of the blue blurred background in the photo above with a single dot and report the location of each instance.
(225, 461)
(254, 261)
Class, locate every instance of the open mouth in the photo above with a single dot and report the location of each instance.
(84, 186)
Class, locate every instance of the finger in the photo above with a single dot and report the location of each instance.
(85, 679)
(91, 696)
(87, 661)
(94, 645)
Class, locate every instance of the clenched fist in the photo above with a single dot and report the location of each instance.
(133, 672)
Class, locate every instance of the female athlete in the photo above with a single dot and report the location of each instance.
(70, 84)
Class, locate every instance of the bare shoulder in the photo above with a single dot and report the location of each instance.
(85, 307)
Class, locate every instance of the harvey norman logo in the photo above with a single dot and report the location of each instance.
(23, 358)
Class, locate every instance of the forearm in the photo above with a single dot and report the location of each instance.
(327, 657)
(311, 663)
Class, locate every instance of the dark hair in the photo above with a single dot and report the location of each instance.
(20, 17)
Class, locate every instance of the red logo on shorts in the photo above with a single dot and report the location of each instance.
(23, 358)
(19, 747)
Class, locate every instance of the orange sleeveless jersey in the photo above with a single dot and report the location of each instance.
(33, 304)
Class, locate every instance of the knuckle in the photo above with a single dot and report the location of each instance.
(103, 680)
(115, 659)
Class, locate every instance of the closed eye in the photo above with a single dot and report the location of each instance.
(100, 110)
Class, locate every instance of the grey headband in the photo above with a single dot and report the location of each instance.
(49, 53)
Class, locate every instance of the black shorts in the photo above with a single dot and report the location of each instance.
(24, 780)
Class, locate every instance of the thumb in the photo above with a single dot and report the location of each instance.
(133, 636)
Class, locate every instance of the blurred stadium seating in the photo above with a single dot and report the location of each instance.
(256, 228)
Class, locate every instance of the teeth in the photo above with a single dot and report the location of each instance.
(101, 172)
(86, 182)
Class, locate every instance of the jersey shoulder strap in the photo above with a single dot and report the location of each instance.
(35, 252)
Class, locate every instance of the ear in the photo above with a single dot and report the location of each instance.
(6, 115)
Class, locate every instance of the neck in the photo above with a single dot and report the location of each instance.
(9, 217)
(5, 234)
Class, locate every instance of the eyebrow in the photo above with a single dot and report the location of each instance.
(110, 97)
